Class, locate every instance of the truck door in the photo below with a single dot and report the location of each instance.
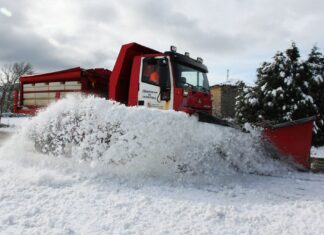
(155, 88)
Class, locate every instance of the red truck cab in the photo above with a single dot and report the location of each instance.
(143, 76)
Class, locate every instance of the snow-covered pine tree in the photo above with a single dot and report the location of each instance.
(256, 104)
(270, 89)
(297, 92)
(315, 64)
(246, 104)
(281, 92)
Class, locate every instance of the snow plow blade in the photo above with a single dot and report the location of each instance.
(292, 139)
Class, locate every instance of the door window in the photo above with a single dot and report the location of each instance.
(155, 71)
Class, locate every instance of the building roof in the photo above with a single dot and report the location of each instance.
(229, 82)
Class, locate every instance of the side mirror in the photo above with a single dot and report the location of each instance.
(164, 85)
(165, 90)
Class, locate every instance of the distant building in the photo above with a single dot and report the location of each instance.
(223, 100)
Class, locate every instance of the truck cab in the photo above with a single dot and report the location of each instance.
(168, 80)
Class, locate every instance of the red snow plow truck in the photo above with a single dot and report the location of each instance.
(141, 77)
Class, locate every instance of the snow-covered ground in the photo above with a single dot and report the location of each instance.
(154, 173)
(318, 152)
(14, 122)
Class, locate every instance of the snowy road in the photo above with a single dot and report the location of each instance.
(3, 136)
(51, 197)
(40, 194)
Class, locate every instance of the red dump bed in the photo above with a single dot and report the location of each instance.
(39, 90)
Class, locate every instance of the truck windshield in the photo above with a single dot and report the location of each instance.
(190, 77)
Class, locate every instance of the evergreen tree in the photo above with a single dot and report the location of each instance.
(297, 92)
(270, 89)
(281, 92)
(315, 64)
(246, 104)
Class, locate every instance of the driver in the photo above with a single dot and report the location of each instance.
(151, 73)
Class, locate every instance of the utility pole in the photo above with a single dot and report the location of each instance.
(227, 75)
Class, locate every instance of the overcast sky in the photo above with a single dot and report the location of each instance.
(234, 34)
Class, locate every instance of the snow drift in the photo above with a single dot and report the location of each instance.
(135, 141)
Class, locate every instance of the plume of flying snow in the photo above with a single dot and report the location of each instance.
(136, 141)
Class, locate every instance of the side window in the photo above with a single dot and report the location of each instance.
(156, 71)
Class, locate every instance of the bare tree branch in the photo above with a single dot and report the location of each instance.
(9, 77)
